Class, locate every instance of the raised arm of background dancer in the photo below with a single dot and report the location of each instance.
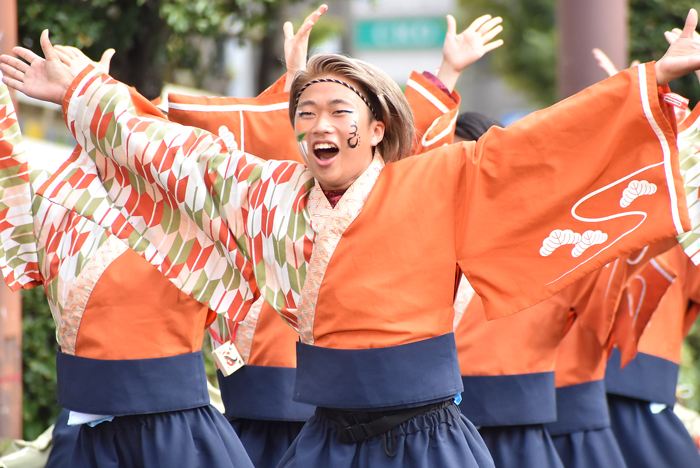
(673, 35)
(461, 50)
(296, 46)
(616, 135)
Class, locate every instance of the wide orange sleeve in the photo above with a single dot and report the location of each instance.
(434, 113)
(259, 125)
(566, 190)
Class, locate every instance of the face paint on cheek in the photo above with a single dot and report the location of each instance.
(354, 139)
(303, 147)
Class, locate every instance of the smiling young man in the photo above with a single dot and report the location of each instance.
(369, 283)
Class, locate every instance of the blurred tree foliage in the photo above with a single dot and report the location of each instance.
(528, 58)
(151, 37)
(39, 408)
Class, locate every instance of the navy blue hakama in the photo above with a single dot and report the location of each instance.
(62, 442)
(266, 442)
(521, 446)
(259, 406)
(651, 440)
(162, 417)
(443, 438)
(582, 432)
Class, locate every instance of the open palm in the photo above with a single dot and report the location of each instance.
(45, 79)
(683, 56)
(461, 50)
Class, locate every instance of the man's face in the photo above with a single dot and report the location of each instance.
(335, 133)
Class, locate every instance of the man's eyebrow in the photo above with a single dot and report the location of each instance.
(308, 102)
(340, 101)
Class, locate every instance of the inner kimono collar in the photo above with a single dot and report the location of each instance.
(329, 225)
(359, 189)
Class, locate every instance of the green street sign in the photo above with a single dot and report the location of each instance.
(400, 33)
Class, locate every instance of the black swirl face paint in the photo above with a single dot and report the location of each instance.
(354, 139)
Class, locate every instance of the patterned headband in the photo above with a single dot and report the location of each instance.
(333, 80)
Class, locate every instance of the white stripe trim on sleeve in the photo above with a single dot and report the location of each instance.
(664, 146)
(228, 108)
(428, 95)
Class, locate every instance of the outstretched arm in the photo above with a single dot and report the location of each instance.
(461, 50)
(44, 79)
(296, 46)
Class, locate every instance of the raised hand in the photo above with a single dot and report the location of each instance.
(75, 59)
(45, 79)
(296, 46)
(604, 62)
(683, 56)
(461, 50)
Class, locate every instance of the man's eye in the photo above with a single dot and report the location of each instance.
(303, 114)
(343, 111)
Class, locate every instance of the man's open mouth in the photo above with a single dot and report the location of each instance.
(325, 150)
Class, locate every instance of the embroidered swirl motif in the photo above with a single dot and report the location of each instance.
(330, 224)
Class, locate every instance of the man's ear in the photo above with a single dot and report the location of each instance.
(377, 132)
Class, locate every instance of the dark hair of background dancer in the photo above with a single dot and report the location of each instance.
(471, 125)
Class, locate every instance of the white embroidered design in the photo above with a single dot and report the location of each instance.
(581, 242)
(588, 239)
(228, 138)
(556, 239)
(635, 189)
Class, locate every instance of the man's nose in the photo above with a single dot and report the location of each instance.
(322, 125)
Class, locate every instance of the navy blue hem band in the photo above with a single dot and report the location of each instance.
(647, 377)
(260, 392)
(370, 379)
(509, 400)
(134, 386)
(581, 407)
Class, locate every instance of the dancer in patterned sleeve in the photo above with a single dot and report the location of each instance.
(130, 340)
(258, 397)
(373, 308)
(266, 396)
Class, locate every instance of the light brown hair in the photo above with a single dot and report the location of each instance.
(385, 97)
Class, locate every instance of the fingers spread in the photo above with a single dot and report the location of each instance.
(26, 54)
(107, 56)
(491, 34)
(490, 24)
(14, 84)
(46, 46)
(14, 63)
(691, 22)
(493, 45)
(451, 25)
(477, 23)
(288, 29)
(11, 72)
